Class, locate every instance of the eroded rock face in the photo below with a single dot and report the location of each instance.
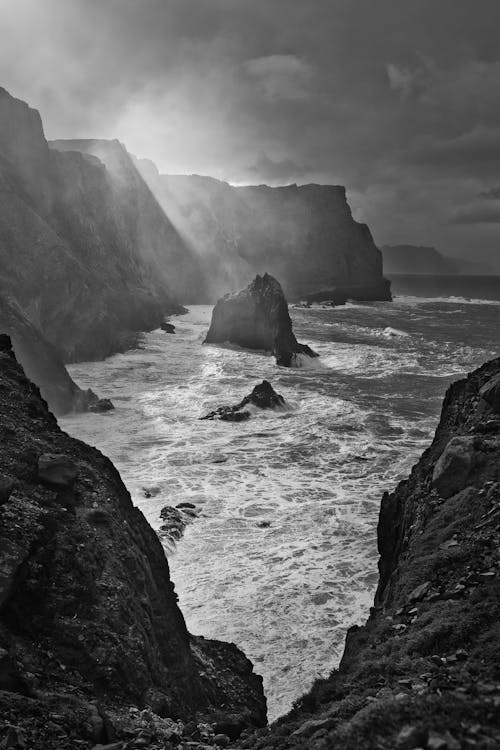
(257, 318)
(424, 670)
(89, 623)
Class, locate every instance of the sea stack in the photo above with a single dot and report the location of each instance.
(257, 318)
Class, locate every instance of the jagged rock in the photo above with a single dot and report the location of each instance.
(490, 392)
(257, 318)
(57, 470)
(88, 609)
(453, 466)
(102, 405)
(263, 395)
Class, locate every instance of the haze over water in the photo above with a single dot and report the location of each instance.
(356, 421)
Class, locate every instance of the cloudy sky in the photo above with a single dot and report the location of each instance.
(399, 100)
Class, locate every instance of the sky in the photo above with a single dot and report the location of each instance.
(398, 100)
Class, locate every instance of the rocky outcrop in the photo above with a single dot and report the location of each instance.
(263, 396)
(304, 235)
(93, 646)
(257, 318)
(424, 670)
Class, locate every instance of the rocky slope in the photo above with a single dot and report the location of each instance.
(305, 236)
(257, 318)
(93, 647)
(424, 672)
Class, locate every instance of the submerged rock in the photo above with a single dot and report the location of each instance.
(263, 395)
(257, 318)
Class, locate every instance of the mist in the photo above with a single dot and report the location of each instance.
(402, 108)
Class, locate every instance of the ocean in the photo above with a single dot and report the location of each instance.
(282, 557)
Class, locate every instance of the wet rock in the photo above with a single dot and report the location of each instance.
(257, 318)
(102, 405)
(490, 392)
(185, 505)
(57, 470)
(263, 396)
(453, 466)
(263, 524)
(168, 327)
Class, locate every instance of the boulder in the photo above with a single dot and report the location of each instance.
(490, 392)
(263, 395)
(257, 318)
(57, 470)
(453, 466)
(168, 327)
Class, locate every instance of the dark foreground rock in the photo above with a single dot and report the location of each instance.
(257, 318)
(263, 395)
(424, 672)
(93, 646)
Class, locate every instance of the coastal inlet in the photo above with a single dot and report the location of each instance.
(282, 557)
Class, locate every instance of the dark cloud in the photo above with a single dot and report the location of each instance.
(396, 99)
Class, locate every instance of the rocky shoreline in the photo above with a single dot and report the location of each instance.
(93, 646)
(424, 672)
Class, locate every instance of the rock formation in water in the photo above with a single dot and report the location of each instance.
(304, 235)
(93, 646)
(257, 318)
(424, 672)
(263, 396)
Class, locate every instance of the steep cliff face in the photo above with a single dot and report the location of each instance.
(86, 272)
(424, 672)
(304, 235)
(90, 630)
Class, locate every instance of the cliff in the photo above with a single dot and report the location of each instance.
(304, 235)
(93, 646)
(89, 259)
(424, 672)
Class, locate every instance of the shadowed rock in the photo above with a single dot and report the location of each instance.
(263, 395)
(257, 318)
(88, 613)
